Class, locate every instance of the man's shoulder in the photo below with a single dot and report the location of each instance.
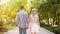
(25, 12)
(22, 12)
(18, 13)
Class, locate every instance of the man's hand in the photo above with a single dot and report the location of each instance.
(27, 26)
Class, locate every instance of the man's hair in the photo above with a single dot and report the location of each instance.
(32, 7)
(22, 6)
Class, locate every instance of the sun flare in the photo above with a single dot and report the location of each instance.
(5, 1)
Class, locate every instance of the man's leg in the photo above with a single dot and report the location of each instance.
(24, 31)
(20, 31)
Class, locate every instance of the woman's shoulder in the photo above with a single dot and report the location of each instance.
(36, 15)
(30, 15)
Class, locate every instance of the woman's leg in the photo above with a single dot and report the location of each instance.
(33, 32)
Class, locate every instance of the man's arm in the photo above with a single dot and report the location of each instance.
(27, 20)
(17, 18)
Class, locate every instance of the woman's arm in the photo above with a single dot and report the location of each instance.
(28, 22)
(38, 21)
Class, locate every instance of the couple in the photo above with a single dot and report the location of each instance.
(25, 23)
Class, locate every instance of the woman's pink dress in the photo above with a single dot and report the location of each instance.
(34, 27)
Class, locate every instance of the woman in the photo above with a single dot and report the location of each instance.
(34, 22)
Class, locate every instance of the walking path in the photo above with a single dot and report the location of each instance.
(16, 31)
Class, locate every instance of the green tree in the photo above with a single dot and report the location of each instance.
(48, 9)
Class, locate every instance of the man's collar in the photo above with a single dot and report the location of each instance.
(22, 9)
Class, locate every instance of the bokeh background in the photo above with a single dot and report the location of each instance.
(48, 11)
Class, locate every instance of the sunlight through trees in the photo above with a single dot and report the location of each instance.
(47, 10)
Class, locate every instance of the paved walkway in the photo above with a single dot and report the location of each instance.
(16, 31)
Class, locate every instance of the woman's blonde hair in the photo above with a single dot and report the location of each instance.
(34, 9)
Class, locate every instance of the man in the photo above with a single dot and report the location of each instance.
(22, 18)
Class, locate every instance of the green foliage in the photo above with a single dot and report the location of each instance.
(47, 9)
(8, 10)
(56, 30)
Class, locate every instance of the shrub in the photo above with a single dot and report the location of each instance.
(56, 30)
